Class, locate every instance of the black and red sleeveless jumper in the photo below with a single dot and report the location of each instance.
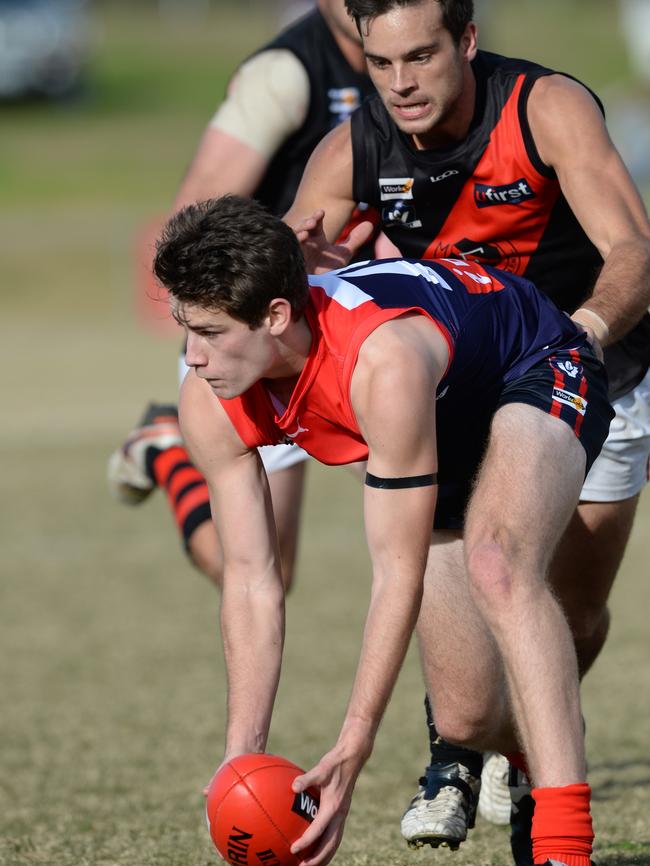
(489, 198)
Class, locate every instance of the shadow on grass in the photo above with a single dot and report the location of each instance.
(613, 855)
(611, 779)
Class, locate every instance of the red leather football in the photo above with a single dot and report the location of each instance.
(253, 815)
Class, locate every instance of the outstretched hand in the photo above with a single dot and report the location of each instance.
(321, 255)
(592, 338)
(335, 775)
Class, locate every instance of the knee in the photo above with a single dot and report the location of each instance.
(490, 571)
(464, 727)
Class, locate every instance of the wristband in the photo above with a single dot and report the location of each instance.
(603, 334)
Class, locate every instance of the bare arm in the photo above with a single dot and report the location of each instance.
(267, 102)
(571, 136)
(252, 607)
(324, 204)
(326, 183)
(393, 394)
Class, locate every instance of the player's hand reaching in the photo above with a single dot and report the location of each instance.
(321, 255)
(596, 329)
(335, 775)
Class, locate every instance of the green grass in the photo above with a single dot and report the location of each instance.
(112, 678)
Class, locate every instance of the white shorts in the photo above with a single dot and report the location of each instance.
(274, 457)
(622, 468)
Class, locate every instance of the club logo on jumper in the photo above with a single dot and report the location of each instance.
(449, 173)
(343, 101)
(574, 400)
(298, 431)
(499, 255)
(402, 214)
(568, 368)
(510, 193)
(305, 806)
(394, 188)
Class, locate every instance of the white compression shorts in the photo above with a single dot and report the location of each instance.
(622, 468)
(274, 457)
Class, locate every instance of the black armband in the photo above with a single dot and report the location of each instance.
(401, 483)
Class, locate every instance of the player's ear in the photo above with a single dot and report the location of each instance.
(279, 316)
(468, 42)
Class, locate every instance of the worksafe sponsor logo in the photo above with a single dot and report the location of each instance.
(401, 214)
(343, 101)
(574, 400)
(510, 193)
(393, 188)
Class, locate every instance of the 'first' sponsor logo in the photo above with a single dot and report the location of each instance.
(509, 193)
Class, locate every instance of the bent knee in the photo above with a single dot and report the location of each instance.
(464, 728)
(491, 572)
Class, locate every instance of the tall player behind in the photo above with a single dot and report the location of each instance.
(505, 162)
(280, 103)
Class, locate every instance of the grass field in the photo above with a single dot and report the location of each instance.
(111, 670)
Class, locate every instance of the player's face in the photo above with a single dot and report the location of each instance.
(422, 75)
(225, 351)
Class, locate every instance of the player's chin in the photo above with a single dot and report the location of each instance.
(224, 390)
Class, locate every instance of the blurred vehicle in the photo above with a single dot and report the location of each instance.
(43, 47)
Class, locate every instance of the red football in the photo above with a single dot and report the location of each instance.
(253, 815)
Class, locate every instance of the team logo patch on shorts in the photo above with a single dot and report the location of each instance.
(568, 368)
(574, 400)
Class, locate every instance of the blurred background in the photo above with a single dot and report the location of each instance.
(110, 669)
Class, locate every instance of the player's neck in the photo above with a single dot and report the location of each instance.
(293, 351)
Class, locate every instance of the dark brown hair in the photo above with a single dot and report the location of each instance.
(231, 254)
(456, 14)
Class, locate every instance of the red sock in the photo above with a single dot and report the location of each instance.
(186, 489)
(562, 827)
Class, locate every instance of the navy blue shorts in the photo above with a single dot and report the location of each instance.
(571, 385)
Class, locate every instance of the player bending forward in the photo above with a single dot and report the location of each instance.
(465, 389)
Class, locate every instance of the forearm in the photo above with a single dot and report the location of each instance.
(252, 622)
(622, 292)
(391, 618)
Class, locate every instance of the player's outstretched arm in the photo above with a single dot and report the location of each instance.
(571, 137)
(252, 608)
(393, 394)
(324, 204)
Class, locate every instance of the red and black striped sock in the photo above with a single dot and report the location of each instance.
(186, 488)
